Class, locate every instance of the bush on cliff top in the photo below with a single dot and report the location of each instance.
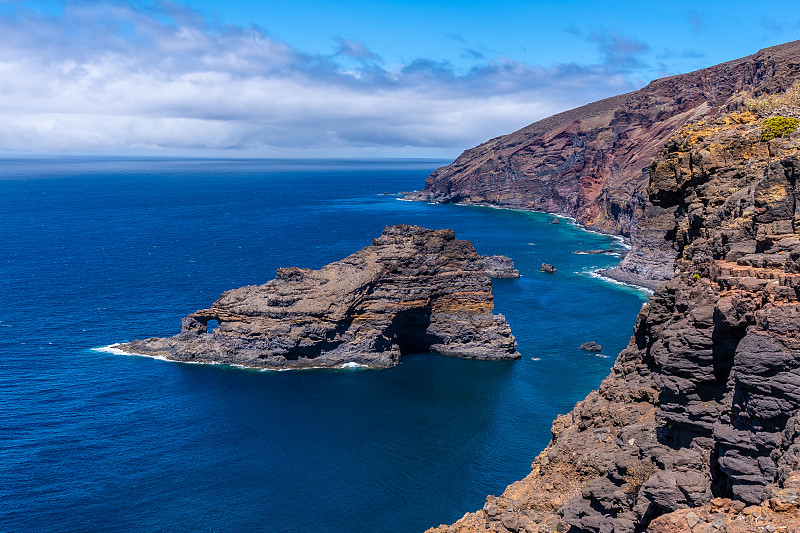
(777, 127)
(764, 105)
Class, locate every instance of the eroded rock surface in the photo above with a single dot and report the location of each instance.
(697, 428)
(413, 290)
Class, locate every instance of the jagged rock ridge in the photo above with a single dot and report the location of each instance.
(412, 290)
(592, 163)
(697, 428)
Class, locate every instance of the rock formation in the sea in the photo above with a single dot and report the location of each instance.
(697, 428)
(412, 290)
(547, 268)
(499, 266)
(591, 346)
(592, 163)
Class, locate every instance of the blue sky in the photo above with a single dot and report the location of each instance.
(310, 78)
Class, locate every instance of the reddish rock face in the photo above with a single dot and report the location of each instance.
(592, 162)
(413, 290)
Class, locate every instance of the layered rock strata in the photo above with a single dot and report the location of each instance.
(592, 163)
(697, 428)
(412, 290)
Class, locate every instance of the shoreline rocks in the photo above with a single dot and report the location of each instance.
(547, 268)
(413, 290)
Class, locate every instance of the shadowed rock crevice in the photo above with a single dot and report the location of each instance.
(409, 330)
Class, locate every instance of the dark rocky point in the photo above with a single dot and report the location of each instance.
(607, 251)
(591, 346)
(547, 268)
(413, 290)
(499, 266)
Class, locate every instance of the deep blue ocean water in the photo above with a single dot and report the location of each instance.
(98, 251)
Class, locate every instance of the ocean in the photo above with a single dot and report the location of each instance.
(98, 251)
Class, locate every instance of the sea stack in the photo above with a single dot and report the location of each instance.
(500, 266)
(413, 290)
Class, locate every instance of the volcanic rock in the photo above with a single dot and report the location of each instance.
(607, 251)
(547, 268)
(591, 346)
(499, 266)
(412, 290)
(697, 427)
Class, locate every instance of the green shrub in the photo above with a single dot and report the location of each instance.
(696, 277)
(777, 127)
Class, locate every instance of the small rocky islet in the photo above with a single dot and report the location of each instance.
(413, 290)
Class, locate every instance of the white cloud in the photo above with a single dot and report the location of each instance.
(110, 77)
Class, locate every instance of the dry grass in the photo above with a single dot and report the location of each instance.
(636, 476)
(770, 103)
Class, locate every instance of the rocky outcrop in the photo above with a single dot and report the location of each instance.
(591, 346)
(547, 268)
(697, 428)
(413, 290)
(499, 266)
(592, 163)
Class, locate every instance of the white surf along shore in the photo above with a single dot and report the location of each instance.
(112, 348)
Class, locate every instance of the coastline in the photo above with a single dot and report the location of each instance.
(112, 349)
(602, 274)
(621, 240)
(612, 275)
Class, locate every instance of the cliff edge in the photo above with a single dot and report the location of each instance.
(412, 290)
(697, 428)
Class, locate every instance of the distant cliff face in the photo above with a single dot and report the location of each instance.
(697, 428)
(413, 290)
(592, 162)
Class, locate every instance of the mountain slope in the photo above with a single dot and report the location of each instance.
(592, 162)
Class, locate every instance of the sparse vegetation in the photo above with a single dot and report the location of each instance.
(636, 476)
(770, 103)
(777, 127)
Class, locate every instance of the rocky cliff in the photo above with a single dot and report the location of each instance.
(592, 163)
(697, 428)
(412, 290)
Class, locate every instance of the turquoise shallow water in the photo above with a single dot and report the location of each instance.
(102, 251)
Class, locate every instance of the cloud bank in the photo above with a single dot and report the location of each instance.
(119, 78)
